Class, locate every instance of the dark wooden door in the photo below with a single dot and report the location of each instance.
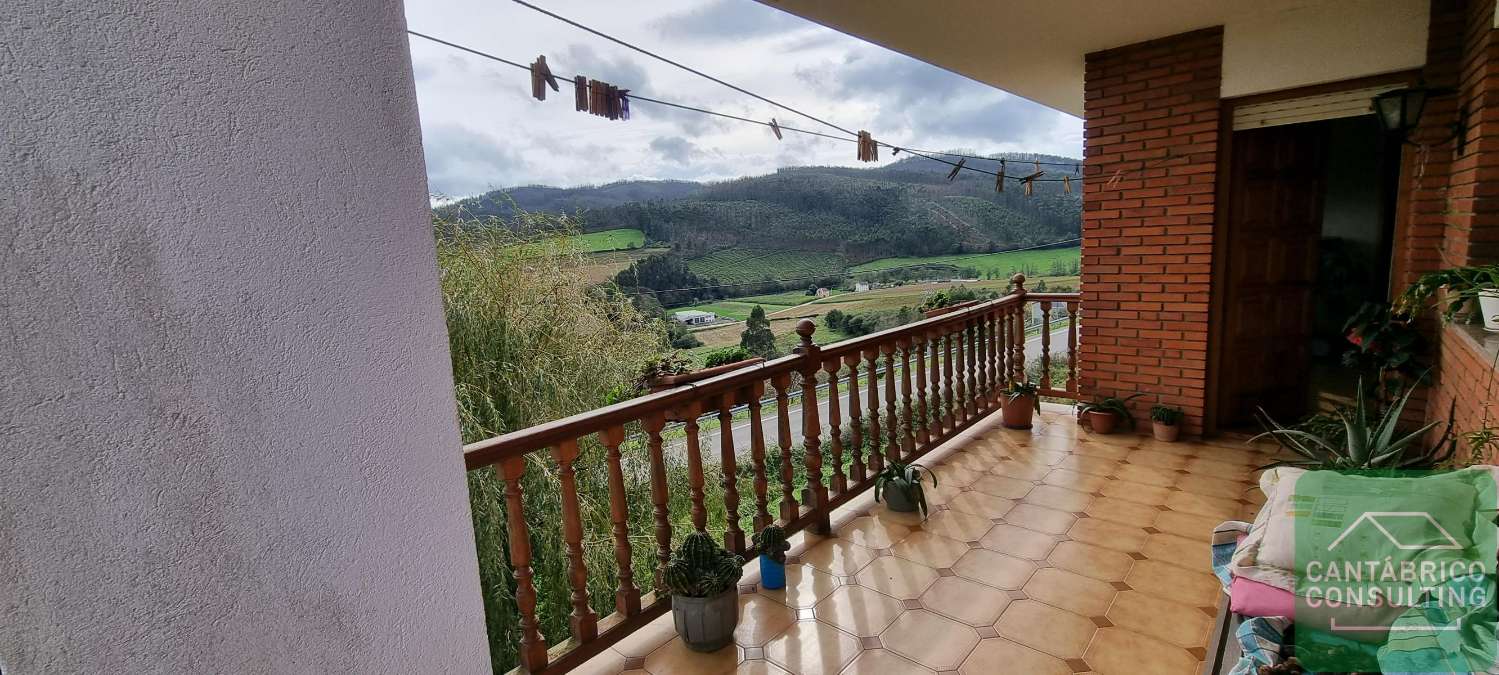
(1274, 223)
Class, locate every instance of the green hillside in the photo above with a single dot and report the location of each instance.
(1042, 261)
(609, 240)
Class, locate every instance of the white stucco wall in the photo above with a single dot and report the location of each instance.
(227, 431)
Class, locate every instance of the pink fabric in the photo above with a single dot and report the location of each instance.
(1252, 598)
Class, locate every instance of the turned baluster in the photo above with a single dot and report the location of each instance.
(789, 506)
(757, 457)
(923, 433)
(975, 369)
(934, 382)
(733, 536)
(690, 413)
(892, 431)
(653, 424)
(835, 425)
(1017, 353)
(876, 458)
(583, 621)
(626, 595)
(1071, 347)
(991, 347)
(1046, 344)
(855, 418)
(960, 375)
(908, 438)
(812, 428)
(948, 400)
(1002, 346)
(533, 647)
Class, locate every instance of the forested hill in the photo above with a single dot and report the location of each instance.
(906, 208)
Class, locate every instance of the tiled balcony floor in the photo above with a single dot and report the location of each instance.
(1049, 551)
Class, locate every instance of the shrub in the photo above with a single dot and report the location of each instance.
(719, 357)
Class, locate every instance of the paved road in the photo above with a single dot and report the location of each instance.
(742, 429)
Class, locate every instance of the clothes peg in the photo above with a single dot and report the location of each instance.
(775, 128)
(580, 93)
(894, 151)
(999, 180)
(541, 78)
(956, 168)
(1067, 184)
(1030, 182)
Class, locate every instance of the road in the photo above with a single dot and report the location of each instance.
(741, 431)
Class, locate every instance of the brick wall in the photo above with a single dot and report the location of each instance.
(1151, 118)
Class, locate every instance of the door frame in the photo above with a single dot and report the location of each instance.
(1217, 292)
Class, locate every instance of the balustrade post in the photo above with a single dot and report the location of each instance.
(991, 358)
(733, 536)
(653, 424)
(1045, 345)
(626, 595)
(892, 431)
(1072, 347)
(583, 621)
(960, 375)
(1017, 353)
(690, 413)
(923, 433)
(533, 647)
(811, 429)
(876, 458)
(975, 368)
(789, 506)
(855, 418)
(948, 420)
(835, 424)
(757, 457)
(908, 438)
(934, 382)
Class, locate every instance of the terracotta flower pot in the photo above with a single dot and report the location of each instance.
(1103, 422)
(1165, 432)
(1017, 412)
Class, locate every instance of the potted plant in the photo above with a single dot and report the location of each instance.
(1104, 414)
(701, 578)
(772, 546)
(1165, 422)
(1021, 401)
(1479, 285)
(901, 486)
(1366, 440)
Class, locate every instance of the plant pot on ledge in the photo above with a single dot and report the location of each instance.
(702, 579)
(1021, 401)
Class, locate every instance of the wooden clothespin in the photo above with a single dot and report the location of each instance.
(869, 150)
(580, 93)
(999, 180)
(775, 128)
(956, 168)
(541, 78)
(1030, 181)
(1067, 184)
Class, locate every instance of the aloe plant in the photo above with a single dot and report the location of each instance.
(1367, 440)
(1166, 414)
(700, 568)
(1026, 388)
(771, 543)
(1118, 406)
(908, 479)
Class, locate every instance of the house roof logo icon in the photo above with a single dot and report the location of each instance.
(1374, 517)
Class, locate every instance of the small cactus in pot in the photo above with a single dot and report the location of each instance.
(702, 578)
(772, 545)
(901, 487)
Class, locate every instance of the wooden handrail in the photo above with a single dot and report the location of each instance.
(939, 376)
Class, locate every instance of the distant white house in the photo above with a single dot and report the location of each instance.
(823, 292)
(693, 317)
(861, 287)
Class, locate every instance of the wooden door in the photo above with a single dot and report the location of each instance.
(1274, 223)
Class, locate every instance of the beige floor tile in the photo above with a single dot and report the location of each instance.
(1189, 525)
(941, 494)
(1217, 469)
(1117, 536)
(1018, 542)
(1178, 584)
(1122, 511)
(804, 587)
(1059, 498)
(1044, 443)
(1040, 518)
(1180, 625)
(967, 601)
(981, 504)
(1193, 554)
(759, 668)
(1101, 450)
(1210, 486)
(1003, 486)
(884, 662)
(760, 619)
(958, 525)
(812, 648)
(1147, 475)
(1203, 506)
(873, 532)
(609, 662)
(858, 610)
(1073, 592)
(932, 550)
(1159, 460)
(838, 557)
(931, 640)
(649, 638)
(1091, 561)
(1020, 470)
(1072, 480)
(897, 577)
(972, 461)
(1116, 651)
(674, 658)
(956, 476)
(998, 655)
(1176, 448)
(1045, 628)
(1098, 466)
(995, 569)
(882, 513)
(1139, 493)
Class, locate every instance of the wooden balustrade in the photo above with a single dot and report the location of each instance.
(923, 383)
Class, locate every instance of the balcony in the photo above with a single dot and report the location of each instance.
(1047, 550)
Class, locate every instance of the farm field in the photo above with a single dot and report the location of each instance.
(602, 266)
(739, 265)
(1000, 263)
(609, 240)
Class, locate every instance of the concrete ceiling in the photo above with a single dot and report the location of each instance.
(1035, 49)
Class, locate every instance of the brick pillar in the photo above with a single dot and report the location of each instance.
(1151, 155)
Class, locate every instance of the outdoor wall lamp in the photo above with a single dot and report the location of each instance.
(1399, 111)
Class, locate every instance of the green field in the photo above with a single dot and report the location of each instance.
(609, 240)
(1000, 263)
(738, 265)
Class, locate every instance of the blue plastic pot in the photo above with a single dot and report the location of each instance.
(772, 573)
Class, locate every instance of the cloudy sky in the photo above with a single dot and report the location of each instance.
(482, 130)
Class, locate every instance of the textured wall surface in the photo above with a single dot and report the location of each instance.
(227, 429)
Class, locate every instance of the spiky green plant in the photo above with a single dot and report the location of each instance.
(908, 479)
(1026, 388)
(700, 568)
(1118, 406)
(1166, 414)
(771, 543)
(1368, 440)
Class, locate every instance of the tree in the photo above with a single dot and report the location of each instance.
(757, 338)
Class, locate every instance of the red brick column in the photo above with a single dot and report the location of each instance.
(1151, 156)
